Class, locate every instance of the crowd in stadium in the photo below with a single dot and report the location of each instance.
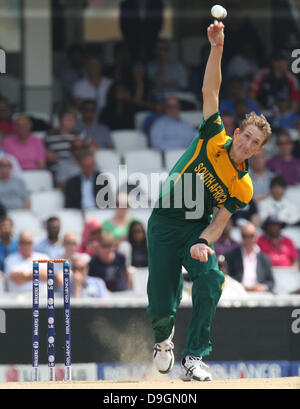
(98, 100)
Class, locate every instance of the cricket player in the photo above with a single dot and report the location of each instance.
(175, 239)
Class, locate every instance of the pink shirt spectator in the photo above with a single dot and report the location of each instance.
(282, 256)
(29, 154)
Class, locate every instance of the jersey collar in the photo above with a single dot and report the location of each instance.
(241, 173)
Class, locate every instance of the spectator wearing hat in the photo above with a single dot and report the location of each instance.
(285, 164)
(90, 237)
(278, 204)
(248, 264)
(276, 82)
(280, 249)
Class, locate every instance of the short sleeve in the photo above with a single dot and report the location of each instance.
(233, 205)
(211, 126)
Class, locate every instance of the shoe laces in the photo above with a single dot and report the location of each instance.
(164, 346)
(198, 361)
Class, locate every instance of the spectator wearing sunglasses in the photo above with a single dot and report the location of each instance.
(248, 264)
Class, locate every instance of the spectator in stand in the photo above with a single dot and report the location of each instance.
(59, 141)
(285, 164)
(13, 192)
(83, 285)
(225, 242)
(16, 168)
(283, 116)
(90, 237)
(280, 249)
(197, 72)
(140, 23)
(6, 122)
(25, 147)
(119, 224)
(81, 190)
(169, 131)
(51, 245)
(70, 245)
(8, 242)
(248, 265)
(73, 72)
(244, 64)
(234, 94)
(110, 265)
(18, 266)
(123, 101)
(270, 84)
(68, 168)
(260, 175)
(98, 133)
(277, 204)
(157, 112)
(166, 75)
(121, 69)
(94, 85)
(135, 247)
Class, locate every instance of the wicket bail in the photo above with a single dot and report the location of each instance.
(51, 338)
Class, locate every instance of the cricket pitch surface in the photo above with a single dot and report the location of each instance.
(253, 383)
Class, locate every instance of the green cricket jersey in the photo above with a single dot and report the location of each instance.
(221, 183)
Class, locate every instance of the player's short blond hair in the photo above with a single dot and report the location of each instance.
(260, 122)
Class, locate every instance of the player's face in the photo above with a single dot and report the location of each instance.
(248, 142)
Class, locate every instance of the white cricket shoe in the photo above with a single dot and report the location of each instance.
(163, 354)
(194, 369)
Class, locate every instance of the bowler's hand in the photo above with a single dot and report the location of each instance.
(201, 251)
(215, 32)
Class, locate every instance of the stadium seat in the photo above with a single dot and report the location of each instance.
(293, 232)
(127, 140)
(107, 159)
(192, 117)
(143, 160)
(286, 280)
(171, 157)
(37, 180)
(139, 118)
(26, 220)
(139, 278)
(46, 202)
(71, 220)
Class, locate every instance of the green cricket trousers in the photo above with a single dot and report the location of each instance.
(169, 243)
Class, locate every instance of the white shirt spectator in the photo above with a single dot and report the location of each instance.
(84, 89)
(283, 209)
(16, 262)
(250, 264)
